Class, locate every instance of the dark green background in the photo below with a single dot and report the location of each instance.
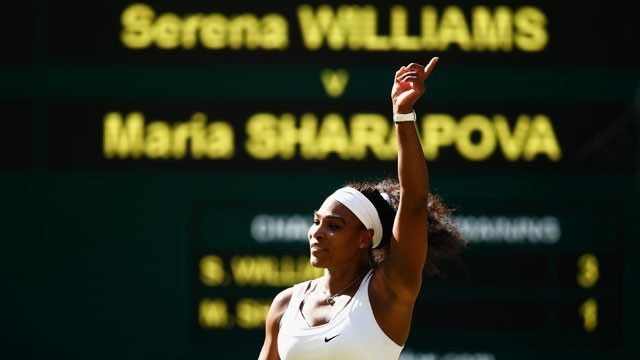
(99, 259)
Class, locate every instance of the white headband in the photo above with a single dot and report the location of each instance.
(362, 208)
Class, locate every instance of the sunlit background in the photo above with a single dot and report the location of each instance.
(160, 162)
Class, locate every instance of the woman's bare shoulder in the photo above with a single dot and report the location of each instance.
(283, 298)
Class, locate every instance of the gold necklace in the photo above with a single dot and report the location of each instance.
(330, 300)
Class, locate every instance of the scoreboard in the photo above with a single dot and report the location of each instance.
(160, 162)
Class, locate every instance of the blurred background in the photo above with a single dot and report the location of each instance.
(160, 162)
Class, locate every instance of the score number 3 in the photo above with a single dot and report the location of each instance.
(587, 277)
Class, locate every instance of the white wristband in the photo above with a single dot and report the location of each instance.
(398, 118)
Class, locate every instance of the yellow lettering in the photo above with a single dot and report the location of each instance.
(588, 271)
(271, 270)
(220, 142)
(334, 81)
(136, 20)
(542, 140)
(307, 136)
(244, 31)
(530, 26)
(291, 135)
(270, 136)
(310, 137)
(166, 31)
(212, 271)
(438, 130)
(275, 32)
(196, 133)
(324, 24)
(189, 29)
(160, 140)
(262, 136)
(333, 137)
(142, 29)
(373, 41)
(343, 27)
(399, 30)
(357, 24)
(123, 138)
(492, 32)
(429, 27)
(251, 313)
(589, 313)
(511, 143)
(372, 132)
(250, 32)
(213, 31)
(476, 136)
(486, 139)
(454, 29)
(213, 313)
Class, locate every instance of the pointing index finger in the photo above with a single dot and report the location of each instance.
(430, 66)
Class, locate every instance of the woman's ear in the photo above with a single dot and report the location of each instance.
(366, 239)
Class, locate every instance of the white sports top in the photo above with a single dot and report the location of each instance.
(353, 333)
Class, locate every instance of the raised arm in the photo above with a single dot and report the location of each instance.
(408, 251)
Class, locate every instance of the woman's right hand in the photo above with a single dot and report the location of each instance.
(409, 85)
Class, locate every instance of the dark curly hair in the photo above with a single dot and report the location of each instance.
(445, 241)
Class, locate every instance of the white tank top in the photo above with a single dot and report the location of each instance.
(353, 333)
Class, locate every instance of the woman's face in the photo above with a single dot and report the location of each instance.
(335, 236)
